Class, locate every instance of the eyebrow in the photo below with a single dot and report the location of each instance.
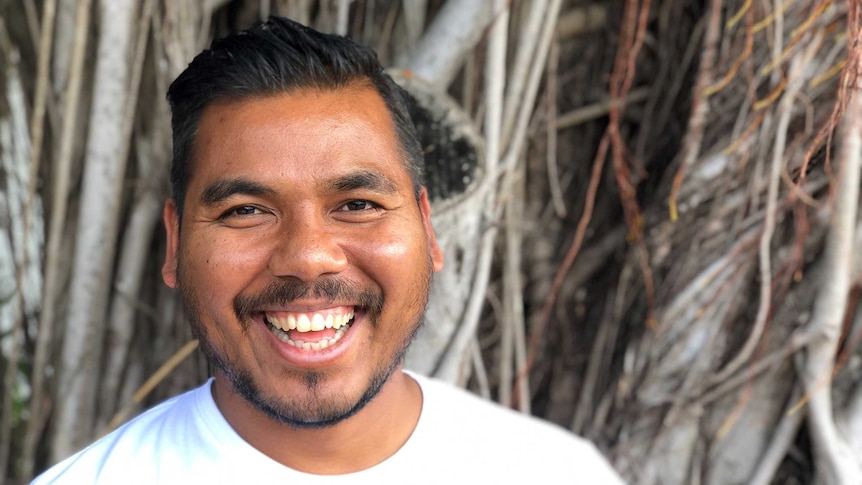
(223, 189)
(363, 179)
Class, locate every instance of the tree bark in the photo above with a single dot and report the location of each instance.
(835, 461)
(96, 239)
(455, 30)
(21, 241)
(56, 234)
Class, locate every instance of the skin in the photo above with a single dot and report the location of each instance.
(299, 189)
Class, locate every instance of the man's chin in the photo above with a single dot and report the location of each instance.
(318, 407)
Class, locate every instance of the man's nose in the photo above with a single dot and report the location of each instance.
(307, 249)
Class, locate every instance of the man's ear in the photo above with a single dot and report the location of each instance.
(425, 208)
(172, 229)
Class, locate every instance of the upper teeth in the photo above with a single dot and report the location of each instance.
(307, 322)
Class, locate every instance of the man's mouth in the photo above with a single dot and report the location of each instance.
(310, 330)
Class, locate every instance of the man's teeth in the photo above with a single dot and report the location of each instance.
(310, 323)
(319, 345)
(305, 323)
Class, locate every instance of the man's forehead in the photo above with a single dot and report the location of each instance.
(307, 112)
(354, 124)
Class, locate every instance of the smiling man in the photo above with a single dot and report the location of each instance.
(299, 235)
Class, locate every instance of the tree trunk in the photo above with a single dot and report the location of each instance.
(101, 196)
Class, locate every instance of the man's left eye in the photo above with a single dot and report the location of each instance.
(246, 210)
(358, 205)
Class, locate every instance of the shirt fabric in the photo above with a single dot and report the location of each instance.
(459, 438)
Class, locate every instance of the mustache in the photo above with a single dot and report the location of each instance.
(284, 291)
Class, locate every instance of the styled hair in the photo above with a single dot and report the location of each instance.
(275, 57)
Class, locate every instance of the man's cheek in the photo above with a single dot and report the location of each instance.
(217, 257)
(401, 245)
(392, 251)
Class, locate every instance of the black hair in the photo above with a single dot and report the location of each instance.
(274, 57)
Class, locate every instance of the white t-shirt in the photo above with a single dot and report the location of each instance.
(459, 438)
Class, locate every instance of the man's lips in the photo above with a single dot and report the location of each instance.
(311, 330)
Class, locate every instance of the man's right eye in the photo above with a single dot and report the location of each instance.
(243, 210)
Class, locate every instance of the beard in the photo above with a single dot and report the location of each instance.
(314, 410)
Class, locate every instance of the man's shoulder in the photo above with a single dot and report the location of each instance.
(484, 419)
(119, 453)
(468, 425)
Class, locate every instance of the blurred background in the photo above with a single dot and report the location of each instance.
(649, 210)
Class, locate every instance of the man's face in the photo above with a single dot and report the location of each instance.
(300, 215)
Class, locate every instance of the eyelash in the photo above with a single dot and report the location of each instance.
(234, 212)
(250, 210)
(369, 205)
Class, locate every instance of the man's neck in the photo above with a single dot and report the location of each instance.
(365, 439)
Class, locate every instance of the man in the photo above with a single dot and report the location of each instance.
(300, 238)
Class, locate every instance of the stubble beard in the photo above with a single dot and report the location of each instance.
(314, 410)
